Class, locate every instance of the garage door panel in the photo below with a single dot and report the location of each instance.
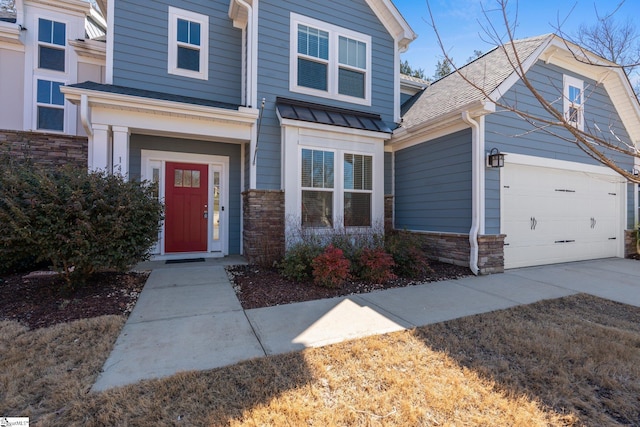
(554, 215)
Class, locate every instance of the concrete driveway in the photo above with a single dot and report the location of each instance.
(189, 318)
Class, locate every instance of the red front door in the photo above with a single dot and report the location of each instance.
(186, 207)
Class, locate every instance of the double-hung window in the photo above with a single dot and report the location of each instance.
(49, 105)
(357, 190)
(51, 45)
(348, 194)
(188, 44)
(317, 188)
(329, 61)
(573, 95)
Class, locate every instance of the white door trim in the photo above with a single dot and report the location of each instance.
(151, 157)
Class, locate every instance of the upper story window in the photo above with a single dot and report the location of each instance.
(49, 105)
(188, 44)
(329, 61)
(51, 45)
(573, 105)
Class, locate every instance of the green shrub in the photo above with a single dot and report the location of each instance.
(79, 221)
(330, 268)
(375, 265)
(408, 256)
(296, 263)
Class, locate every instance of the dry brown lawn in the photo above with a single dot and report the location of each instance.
(572, 361)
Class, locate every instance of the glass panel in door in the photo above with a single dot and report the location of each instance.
(216, 206)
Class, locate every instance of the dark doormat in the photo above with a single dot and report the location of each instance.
(182, 261)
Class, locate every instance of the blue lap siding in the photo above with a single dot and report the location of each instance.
(433, 185)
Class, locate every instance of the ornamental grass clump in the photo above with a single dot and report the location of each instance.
(330, 268)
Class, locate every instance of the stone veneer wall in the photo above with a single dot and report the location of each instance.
(630, 247)
(263, 220)
(388, 213)
(45, 148)
(454, 248)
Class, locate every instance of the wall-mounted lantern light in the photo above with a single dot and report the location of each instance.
(495, 159)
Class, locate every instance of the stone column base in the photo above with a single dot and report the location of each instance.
(630, 243)
(263, 238)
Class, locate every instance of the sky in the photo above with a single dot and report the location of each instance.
(458, 22)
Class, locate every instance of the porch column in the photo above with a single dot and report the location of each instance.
(99, 148)
(121, 150)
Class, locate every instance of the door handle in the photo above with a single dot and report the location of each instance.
(205, 215)
(593, 222)
(534, 223)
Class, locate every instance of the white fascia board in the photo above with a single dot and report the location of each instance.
(90, 49)
(77, 7)
(394, 22)
(514, 77)
(438, 126)
(10, 36)
(154, 106)
(334, 129)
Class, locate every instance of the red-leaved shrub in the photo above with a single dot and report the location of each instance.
(376, 265)
(330, 268)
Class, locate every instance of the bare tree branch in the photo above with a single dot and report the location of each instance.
(597, 144)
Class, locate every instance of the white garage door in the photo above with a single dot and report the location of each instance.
(557, 215)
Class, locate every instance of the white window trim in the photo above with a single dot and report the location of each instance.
(37, 104)
(172, 60)
(360, 191)
(338, 189)
(52, 46)
(567, 104)
(333, 190)
(333, 64)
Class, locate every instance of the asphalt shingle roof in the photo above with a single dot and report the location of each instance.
(452, 91)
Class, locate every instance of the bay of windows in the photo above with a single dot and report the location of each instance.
(321, 192)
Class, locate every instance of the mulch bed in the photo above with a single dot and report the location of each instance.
(263, 287)
(41, 300)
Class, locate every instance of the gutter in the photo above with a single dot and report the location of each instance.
(84, 114)
(252, 43)
(477, 187)
(478, 108)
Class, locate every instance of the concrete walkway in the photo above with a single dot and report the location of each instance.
(188, 316)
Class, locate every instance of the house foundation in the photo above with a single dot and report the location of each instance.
(454, 248)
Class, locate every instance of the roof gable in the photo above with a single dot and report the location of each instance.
(494, 73)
